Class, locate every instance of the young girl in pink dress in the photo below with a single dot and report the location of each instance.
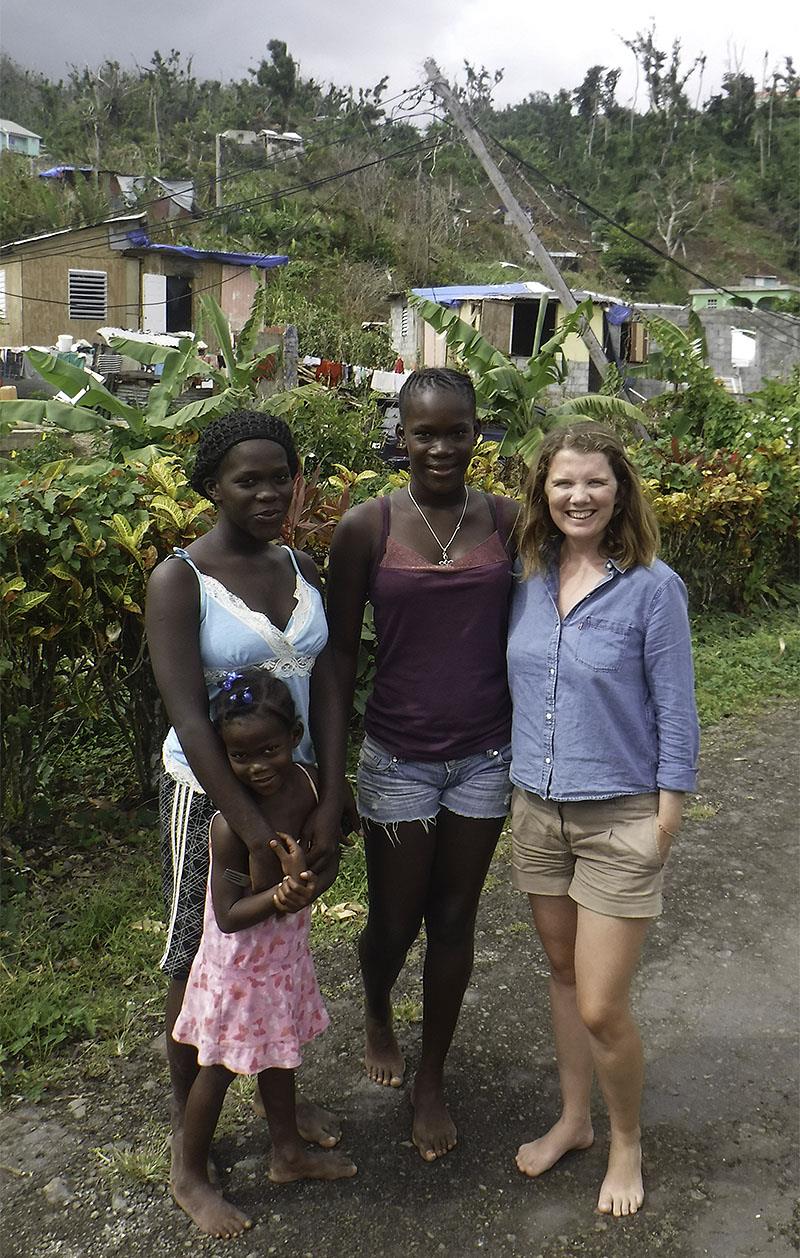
(252, 998)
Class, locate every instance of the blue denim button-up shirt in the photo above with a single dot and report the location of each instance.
(603, 699)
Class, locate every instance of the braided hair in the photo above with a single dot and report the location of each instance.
(444, 378)
(227, 431)
(252, 692)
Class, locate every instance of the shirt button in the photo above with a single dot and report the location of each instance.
(552, 672)
(547, 759)
(609, 565)
(549, 716)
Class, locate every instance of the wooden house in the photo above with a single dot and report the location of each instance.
(78, 279)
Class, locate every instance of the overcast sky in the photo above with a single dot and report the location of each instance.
(540, 46)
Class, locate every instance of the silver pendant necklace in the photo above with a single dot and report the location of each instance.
(445, 560)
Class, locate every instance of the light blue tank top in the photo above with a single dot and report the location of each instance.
(232, 636)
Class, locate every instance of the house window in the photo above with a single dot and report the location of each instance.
(523, 326)
(711, 304)
(2, 294)
(88, 294)
(404, 323)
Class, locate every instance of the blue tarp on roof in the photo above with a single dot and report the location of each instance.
(140, 240)
(55, 172)
(452, 294)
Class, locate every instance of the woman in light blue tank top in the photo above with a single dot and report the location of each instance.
(233, 599)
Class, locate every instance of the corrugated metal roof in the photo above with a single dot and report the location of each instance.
(63, 231)
(13, 128)
(454, 294)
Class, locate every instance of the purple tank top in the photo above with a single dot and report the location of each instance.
(441, 691)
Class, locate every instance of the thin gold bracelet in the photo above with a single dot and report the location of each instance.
(671, 833)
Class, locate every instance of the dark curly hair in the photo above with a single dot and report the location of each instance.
(227, 431)
(444, 378)
(252, 692)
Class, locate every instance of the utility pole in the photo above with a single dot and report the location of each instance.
(218, 169)
(520, 219)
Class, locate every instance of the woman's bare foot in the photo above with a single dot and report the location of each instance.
(207, 1208)
(433, 1132)
(314, 1124)
(309, 1164)
(622, 1190)
(563, 1137)
(382, 1057)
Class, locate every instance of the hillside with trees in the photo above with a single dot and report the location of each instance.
(385, 194)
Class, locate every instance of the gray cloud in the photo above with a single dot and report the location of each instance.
(542, 48)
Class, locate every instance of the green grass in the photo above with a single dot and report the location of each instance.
(743, 663)
(81, 932)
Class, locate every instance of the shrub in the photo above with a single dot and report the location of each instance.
(77, 540)
(729, 518)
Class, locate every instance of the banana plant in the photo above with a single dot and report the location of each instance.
(138, 434)
(516, 396)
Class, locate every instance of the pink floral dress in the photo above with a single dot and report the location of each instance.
(252, 998)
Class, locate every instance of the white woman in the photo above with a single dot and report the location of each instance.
(604, 744)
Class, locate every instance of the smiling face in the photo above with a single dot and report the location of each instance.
(253, 487)
(581, 492)
(260, 750)
(440, 431)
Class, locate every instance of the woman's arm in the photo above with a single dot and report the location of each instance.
(322, 830)
(172, 620)
(349, 565)
(670, 678)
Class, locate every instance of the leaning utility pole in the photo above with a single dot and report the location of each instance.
(521, 220)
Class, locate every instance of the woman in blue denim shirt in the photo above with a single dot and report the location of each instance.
(604, 747)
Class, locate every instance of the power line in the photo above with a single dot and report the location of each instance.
(312, 184)
(236, 173)
(562, 190)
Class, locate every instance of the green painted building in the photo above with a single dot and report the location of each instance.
(756, 292)
(17, 139)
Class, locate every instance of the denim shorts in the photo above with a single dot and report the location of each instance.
(392, 790)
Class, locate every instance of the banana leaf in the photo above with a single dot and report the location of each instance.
(72, 380)
(62, 414)
(147, 353)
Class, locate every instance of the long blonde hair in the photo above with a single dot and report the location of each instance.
(632, 535)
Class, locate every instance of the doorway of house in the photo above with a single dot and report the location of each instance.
(179, 304)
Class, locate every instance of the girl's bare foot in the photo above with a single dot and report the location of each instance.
(563, 1137)
(433, 1132)
(211, 1212)
(314, 1124)
(309, 1164)
(622, 1190)
(382, 1057)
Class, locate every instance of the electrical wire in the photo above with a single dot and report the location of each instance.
(562, 190)
(312, 184)
(238, 172)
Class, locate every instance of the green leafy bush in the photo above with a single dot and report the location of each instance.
(729, 518)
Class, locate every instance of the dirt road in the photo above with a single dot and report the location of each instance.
(717, 999)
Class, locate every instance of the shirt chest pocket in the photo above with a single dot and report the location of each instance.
(600, 644)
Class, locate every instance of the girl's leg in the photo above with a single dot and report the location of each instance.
(606, 954)
(398, 875)
(291, 1159)
(556, 919)
(190, 1183)
(464, 848)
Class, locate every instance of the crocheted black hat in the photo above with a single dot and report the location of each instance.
(227, 431)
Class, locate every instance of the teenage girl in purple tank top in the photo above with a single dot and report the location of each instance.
(434, 560)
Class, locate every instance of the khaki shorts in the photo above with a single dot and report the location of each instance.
(603, 853)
